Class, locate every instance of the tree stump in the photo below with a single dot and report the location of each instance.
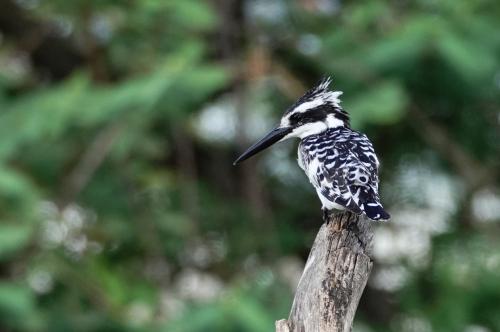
(334, 277)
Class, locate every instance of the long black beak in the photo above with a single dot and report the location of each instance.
(274, 136)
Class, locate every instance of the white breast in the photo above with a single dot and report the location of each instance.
(312, 171)
(310, 166)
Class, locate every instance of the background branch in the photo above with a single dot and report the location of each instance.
(470, 169)
(89, 162)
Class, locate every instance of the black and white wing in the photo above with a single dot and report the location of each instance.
(342, 166)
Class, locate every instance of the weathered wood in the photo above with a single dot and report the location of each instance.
(334, 277)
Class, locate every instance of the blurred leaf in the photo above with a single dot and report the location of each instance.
(13, 238)
(467, 57)
(384, 103)
(251, 314)
(76, 103)
(16, 189)
(403, 45)
(17, 307)
(192, 14)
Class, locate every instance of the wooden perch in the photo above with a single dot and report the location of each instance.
(334, 277)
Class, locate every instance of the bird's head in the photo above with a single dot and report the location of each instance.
(316, 111)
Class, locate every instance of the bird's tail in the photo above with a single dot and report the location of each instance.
(375, 211)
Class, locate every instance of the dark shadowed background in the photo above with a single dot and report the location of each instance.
(120, 209)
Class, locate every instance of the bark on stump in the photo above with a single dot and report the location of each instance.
(334, 277)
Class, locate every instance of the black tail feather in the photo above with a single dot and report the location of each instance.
(375, 211)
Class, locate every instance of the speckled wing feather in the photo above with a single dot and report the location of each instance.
(342, 166)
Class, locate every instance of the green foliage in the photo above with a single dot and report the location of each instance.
(119, 213)
(13, 238)
(17, 307)
(384, 104)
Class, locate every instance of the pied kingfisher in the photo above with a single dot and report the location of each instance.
(340, 162)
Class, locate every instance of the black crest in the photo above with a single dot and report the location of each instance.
(321, 88)
(331, 102)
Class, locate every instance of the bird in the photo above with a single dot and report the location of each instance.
(340, 162)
